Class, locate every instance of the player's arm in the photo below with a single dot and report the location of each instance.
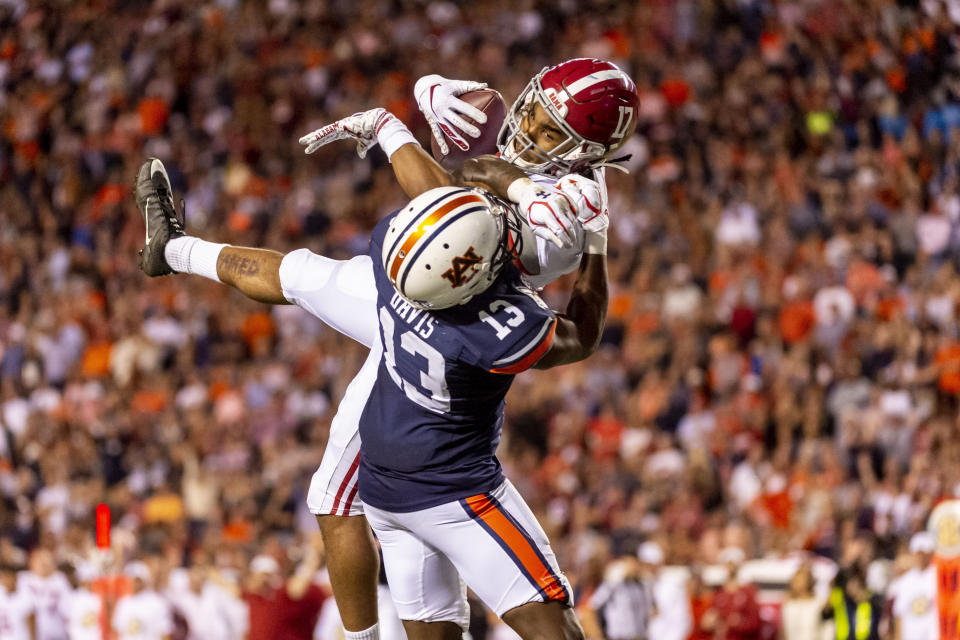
(301, 580)
(549, 213)
(253, 272)
(416, 170)
(578, 329)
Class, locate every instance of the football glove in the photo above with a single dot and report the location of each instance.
(586, 202)
(437, 98)
(363, 127)
(546, 209)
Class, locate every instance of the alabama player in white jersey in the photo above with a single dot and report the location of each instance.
(567, 123)
(17, 620)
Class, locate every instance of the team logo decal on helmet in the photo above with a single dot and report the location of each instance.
(457, 273)
(591, 101)
(448, 245)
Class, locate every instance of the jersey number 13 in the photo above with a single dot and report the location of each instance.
(431, 392)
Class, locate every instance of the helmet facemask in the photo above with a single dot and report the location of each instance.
(572, 153)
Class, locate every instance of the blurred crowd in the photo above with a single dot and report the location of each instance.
(780, 373)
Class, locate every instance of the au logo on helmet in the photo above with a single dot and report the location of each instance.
(459, 266)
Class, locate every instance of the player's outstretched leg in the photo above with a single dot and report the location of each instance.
(354, 567)
(155, 200)
(544, 621)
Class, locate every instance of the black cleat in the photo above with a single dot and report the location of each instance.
(155, 201)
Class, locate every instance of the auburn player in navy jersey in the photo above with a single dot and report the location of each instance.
(565, 126)
(572, 117)
(430, 481)
(451, 323)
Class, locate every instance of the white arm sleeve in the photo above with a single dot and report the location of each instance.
(342, 293)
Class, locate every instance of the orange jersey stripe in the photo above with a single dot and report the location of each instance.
(432, 219)
(533, 356)
(518, 544)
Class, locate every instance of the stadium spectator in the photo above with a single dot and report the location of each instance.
(17, 617)
(800, 614)
(854, 609)
(736, 614)
(622, 604)
(143, 614)
(670, 614)
(284, 608)
(914, 594)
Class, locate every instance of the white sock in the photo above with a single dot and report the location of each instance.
(373, 633)
(193, 255)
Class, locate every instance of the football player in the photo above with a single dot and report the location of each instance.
(432, 414)
(342, 294)
(345, 295)
(567, 123)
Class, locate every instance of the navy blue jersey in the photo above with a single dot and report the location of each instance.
(431, 424)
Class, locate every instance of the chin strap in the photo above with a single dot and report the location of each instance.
(613, 163)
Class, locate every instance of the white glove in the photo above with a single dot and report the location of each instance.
(586, 201)
(546, 209)
(437, 98)
(368, 128)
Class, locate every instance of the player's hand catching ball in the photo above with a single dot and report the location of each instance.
(437, 98)
(361, 127)
(546, 209)
(587, 202)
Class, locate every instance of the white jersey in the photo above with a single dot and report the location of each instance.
(15, 610)
(143, 616)
(915, 604)
(204, 612)
(48, 596)
(83, 612)
(673, 619)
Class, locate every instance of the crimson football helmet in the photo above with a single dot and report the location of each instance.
(592, 101)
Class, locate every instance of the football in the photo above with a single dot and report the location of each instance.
(492, 104)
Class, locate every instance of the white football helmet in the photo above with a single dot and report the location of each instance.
(448, 245)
